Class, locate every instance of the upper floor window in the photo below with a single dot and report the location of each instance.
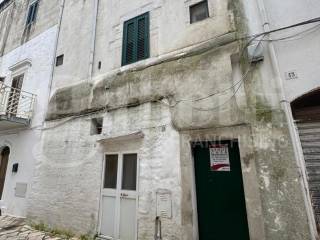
(32, 13)
(135, 39)
(199, 11)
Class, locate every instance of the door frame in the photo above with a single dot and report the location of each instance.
(255, 223)
(194, 198)
(119, 153)
(6, 172)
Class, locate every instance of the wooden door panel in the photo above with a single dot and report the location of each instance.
(220, 196)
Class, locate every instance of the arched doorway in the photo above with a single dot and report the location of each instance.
(4, 157)
(306, 112)
(307, 107)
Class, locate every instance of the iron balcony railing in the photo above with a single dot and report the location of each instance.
(15, 103)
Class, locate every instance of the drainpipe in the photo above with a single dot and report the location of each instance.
(93, 38)
(292, 128)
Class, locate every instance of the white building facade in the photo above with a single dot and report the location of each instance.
(26, 64)
(150, 99)
(158, 119)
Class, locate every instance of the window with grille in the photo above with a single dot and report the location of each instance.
(32, 13)
(135, 39)
(199, 12)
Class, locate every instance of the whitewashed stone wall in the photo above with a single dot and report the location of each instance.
(66, 188)
(170, 30)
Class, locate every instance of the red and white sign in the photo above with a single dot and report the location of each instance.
(219, 157)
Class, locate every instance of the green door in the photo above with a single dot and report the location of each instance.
(220, 197)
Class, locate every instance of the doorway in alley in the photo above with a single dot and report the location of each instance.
(14, 96)
(306, 113)
(119, 196)
(219, 188)
(4, 157)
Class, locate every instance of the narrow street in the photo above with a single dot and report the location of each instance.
(12, 228)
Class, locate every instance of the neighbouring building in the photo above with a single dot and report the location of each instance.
(28, 30)
(294, 60)
(184, 119)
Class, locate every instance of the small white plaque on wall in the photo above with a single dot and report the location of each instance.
(291, 75)
(164, 203)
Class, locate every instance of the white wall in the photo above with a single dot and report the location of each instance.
(170, 30)
(300, 54)
(68, 178)
(24, 144)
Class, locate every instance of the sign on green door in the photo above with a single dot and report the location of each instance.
(220, 196)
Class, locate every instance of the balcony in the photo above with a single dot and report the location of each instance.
(16, 108)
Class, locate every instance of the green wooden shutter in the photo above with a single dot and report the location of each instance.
(135, 39)
(130, 43)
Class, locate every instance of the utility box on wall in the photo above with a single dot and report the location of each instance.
(21, 190)
(164, 203)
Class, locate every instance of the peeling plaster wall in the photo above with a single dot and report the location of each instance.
(281, 193)
(69, 165)
(174, 80)
(190, 77)
(137, 97)
(68, 176)
(241, 133)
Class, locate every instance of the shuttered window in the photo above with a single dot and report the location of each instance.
(135, 39)
(32, 13)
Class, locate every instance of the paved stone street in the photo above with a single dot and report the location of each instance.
(12, 228)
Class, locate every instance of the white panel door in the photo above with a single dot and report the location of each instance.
(119, 197)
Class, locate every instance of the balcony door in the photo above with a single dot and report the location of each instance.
(119, 197)
(14, 95)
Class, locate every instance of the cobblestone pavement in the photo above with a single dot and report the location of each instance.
(12, 228)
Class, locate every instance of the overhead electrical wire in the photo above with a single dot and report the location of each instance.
(310, 21)
(250, 38)
(243, 78)
(240, 82)
(293, 37)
